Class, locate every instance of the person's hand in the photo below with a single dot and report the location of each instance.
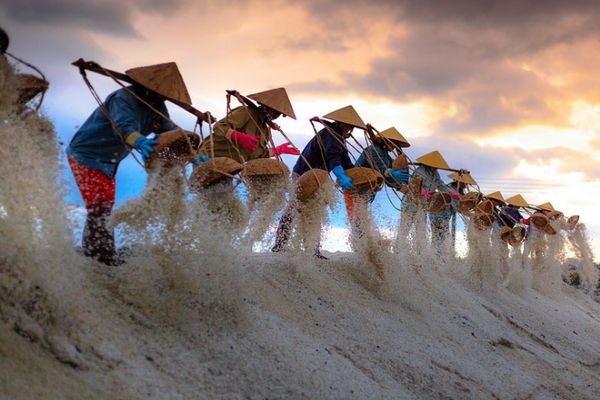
(200, 160)
(455, 195)
(145, 146)
(400, 175)
(248, 142)
(286, 148)
(344, 180)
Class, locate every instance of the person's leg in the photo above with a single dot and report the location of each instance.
(285, 225)
(439, 231)
(98, 192)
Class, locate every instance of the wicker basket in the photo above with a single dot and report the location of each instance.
(175, 147)
(414, 188)
(482, 221)
(486, 207)
(468, 202)
(549, 230)
(265, 167)
(401, 162)
(216, 170)
(310, 182)
(365, 179)
(539, 221)
(554, 215)
(505, 233)
(517, 235)
(439, 201)
(572, 221)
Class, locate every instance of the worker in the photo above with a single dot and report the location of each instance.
(245, 133)
(377, 156)
(327, 151)
(458, 184)
(121, 124)
(432, 182)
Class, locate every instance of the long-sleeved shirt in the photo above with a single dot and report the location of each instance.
(251, 121)
(97, 145)
(324, 151)
(432, 181)
(376, 156)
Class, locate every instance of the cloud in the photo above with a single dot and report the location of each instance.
(109, 16)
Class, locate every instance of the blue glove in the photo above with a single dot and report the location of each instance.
(344, 180)
(145, 146)
(200, 160)
(400, 175)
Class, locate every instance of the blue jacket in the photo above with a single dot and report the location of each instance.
(96, 145)
(325, 152)
(376, 156)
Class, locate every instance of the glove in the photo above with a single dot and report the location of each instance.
(428, 195)
(455, 195)
(200, 160)
(248, 142)
(344, 180)
(525, 221)
(400, 175)
(145, 146)
(286, 148)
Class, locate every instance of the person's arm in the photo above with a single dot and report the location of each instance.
(125, 113)
(334, 151)
(164, 124)
(236, 120)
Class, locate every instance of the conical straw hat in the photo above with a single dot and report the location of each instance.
(434, 160)
(546, 206)
(277, 99)
(517, 200)
(496, 196)
(163, 79)
(393, 134)
(347, 115)
(465, 177)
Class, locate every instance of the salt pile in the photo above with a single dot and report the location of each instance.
(195, 314)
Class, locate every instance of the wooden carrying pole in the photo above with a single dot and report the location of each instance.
(95, 67)
(460, 171)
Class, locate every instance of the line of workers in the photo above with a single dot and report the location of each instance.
(129, 115)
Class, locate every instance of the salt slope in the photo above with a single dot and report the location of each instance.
(193, 315)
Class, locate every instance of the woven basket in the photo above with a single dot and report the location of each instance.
(414, 188)
(216, 170)
(549, 230)
(482, 221)
(517, 235)
(572, 221)
(539, 221)
(365, 179)
(486, 207)
(468, 202)
(175, 147)
(401, 162)
(30, 86)
(554, 215)
(265, 167)
(439, 201)
(505, 233)
(310, 182)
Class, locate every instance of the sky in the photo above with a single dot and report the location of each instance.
(507, 89)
